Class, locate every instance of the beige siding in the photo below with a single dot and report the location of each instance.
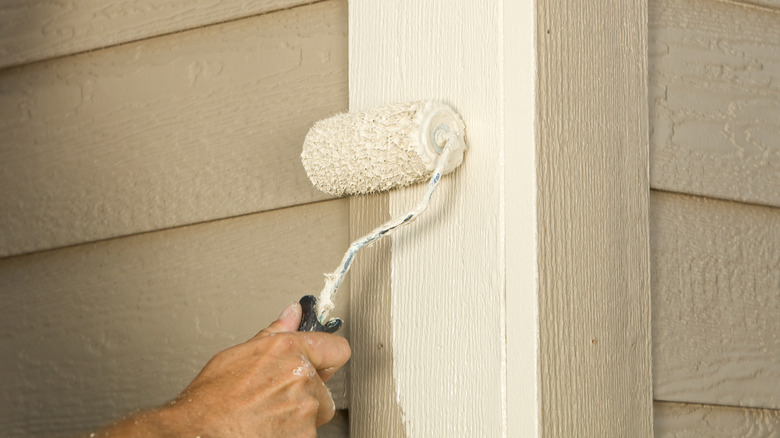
(714, 81)
(714, 88)
(185, 128)
(154, 208)
(774, 4)
(91, 332)
(716, 301)
(676, 420)
(35, 30)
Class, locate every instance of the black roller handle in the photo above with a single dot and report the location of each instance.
(309, 320)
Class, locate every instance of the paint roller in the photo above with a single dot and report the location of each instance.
(374, 150)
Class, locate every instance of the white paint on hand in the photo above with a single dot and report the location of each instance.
(305, 369)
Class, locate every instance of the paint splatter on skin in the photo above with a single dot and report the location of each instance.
(305, 369)
(332, 405)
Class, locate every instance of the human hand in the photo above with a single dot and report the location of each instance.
(269, 386)
(272, 385)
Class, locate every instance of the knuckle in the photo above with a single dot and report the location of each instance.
(302, 379)
(304, 373)
(282, 343)
(224, 356)
(309, 407)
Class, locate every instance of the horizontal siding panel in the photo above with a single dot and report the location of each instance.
(775, 4)
(91, 332)
(36, 30)
(716, 301)
(680, 420)
(714, 84)
(175, 130)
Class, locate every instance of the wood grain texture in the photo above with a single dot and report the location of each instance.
(373, 407)
(448, 278)
(716, 301)
(773, 4)
(91, 332)
(680, 420)
(175, 130)
(594, 285)
(446, 285)
(33, 31)
(520, 229)
(715, 99)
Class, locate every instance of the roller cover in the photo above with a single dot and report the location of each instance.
(380, 148)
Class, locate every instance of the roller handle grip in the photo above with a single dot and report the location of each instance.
(309, 321)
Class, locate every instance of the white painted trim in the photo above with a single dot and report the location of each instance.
(519, 228)
(461, 345)
(446, 276)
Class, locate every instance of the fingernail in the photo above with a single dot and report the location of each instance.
(289, 311)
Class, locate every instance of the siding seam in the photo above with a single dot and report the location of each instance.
(719, 199)
(124, 236)
(718, 405)
(160, 35)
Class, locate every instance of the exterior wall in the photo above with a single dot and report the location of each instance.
(714, 81)
(519, 305)
(154, 209)
(711, 421)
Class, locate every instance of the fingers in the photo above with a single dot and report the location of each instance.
(313, 356)
(326, 373)
(326, 352)
(326, 408)
(288, 321)
(312, 397)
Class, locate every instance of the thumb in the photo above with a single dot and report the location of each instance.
(288, 320)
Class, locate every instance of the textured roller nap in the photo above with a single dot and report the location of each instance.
(375, 149)
(379, 149)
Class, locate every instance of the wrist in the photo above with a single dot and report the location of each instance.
(159, 422)
(171, 420)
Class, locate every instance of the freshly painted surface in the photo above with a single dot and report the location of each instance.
(445, 281)
(592, 158)
(678, 420)
(716, 301)
(43, 29)
(373, 406)
(92, 332)
(189, 127)
(449, 282)
(519, 227)
(715, 99)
